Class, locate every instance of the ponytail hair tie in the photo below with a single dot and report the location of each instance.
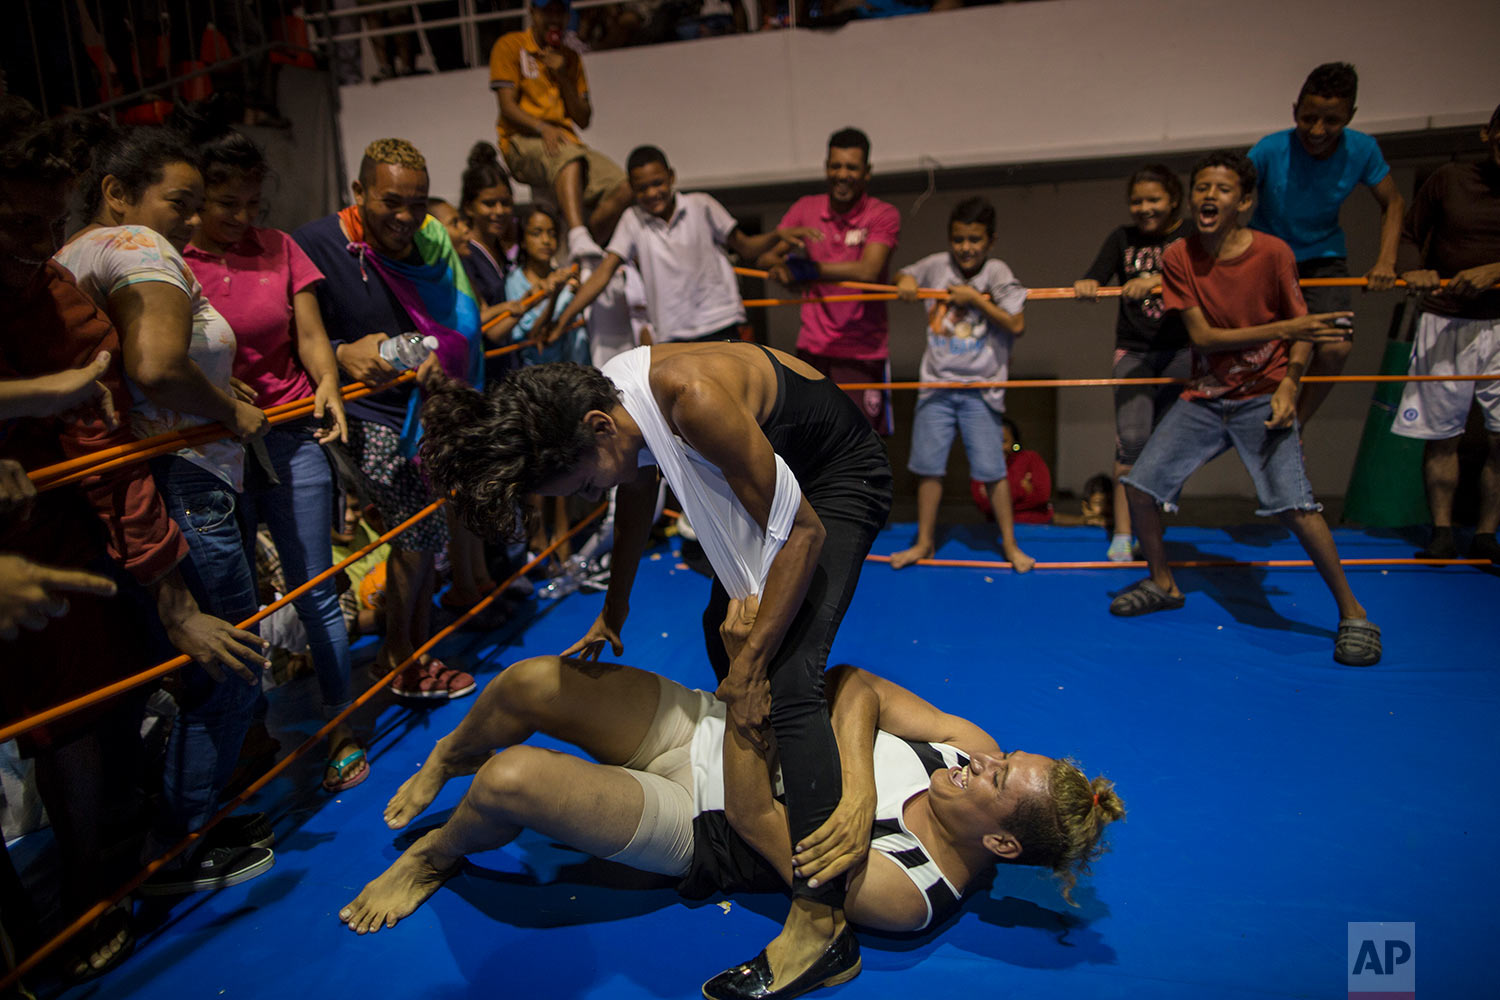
(1096, 800)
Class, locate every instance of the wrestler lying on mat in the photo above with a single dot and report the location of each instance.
(943, 801)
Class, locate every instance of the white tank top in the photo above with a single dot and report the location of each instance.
(740, 553)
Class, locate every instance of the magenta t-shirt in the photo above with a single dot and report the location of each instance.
(845, 329)
(252, 287)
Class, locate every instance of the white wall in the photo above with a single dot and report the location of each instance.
(1060, 79)
(1039, 82)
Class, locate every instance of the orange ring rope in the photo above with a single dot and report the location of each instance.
(1105, 291)
(1182, 564)
(1074, 383)
(864, 286)
(99, 909)
(146, 676)
(74, 469)
(1185, 564)
(864, 297)
(80, 467)
(68, 471)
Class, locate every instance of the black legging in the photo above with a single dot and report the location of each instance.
(845, 476)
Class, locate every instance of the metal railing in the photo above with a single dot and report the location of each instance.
(88, 27)
(468, 21)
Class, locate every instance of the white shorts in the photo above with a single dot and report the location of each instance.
(1437, 411)
(663, 840)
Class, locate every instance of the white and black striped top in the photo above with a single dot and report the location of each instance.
(722, 862)
(902, 768)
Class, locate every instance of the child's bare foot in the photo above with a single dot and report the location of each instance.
(1019, 561)
(400, 889)
(417, 792)
(904, 558)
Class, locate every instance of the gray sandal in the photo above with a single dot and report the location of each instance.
(1144, 598)
(1358, 643)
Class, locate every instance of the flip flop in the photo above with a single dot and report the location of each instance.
(1144, 598)
(347, 772)
(1358, 643)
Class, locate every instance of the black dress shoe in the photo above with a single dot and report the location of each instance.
(839, 963)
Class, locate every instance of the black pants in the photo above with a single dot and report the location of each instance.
(810, 764)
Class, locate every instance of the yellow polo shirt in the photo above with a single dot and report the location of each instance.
(515, 61)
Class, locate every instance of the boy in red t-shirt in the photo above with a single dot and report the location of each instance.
(1252, 338)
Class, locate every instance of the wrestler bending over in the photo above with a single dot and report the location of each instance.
(786, 485)
(967, 804)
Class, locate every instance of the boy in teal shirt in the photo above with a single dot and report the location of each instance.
(1306, 172)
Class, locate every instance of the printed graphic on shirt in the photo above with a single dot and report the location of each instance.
(1145, 260)
(957, 329)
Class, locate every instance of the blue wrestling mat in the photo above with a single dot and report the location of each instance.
(1274, 797)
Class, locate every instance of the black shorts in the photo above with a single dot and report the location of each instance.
(1326, 300)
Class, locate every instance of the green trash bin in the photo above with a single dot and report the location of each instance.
(1385, 490)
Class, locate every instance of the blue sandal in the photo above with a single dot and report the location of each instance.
(346, 772)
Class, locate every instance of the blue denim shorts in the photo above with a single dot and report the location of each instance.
(1196, 431)
(940, 412)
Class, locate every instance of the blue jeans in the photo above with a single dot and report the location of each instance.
(1196, 431)
(214, 715)
(941, 412)
(298, 511)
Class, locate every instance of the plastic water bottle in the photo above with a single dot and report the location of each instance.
(567, 581)
(407, 351)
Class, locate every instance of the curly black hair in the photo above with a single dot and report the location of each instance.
(36, 149)
(1230, 160)
(485, 452)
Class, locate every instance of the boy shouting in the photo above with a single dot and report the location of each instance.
(1252, 338)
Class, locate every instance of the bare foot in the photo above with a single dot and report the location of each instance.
(1019, 561)
(399, 890)
(904, 558)
(417, 792)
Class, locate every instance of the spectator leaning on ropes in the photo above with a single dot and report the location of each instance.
(142, 196)
(846, 341)
(385, 264)
(57, 340)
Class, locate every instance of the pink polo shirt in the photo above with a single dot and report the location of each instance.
(252, 287)
(845, 329)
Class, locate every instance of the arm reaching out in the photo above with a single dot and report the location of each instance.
(74, 390)
(31, 594)
(635, 505)
(586, 295)
(1314, 328)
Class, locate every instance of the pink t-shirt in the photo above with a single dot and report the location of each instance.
(252, 287)
(844, 329)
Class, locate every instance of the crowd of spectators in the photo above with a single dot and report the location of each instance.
(169, 308)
